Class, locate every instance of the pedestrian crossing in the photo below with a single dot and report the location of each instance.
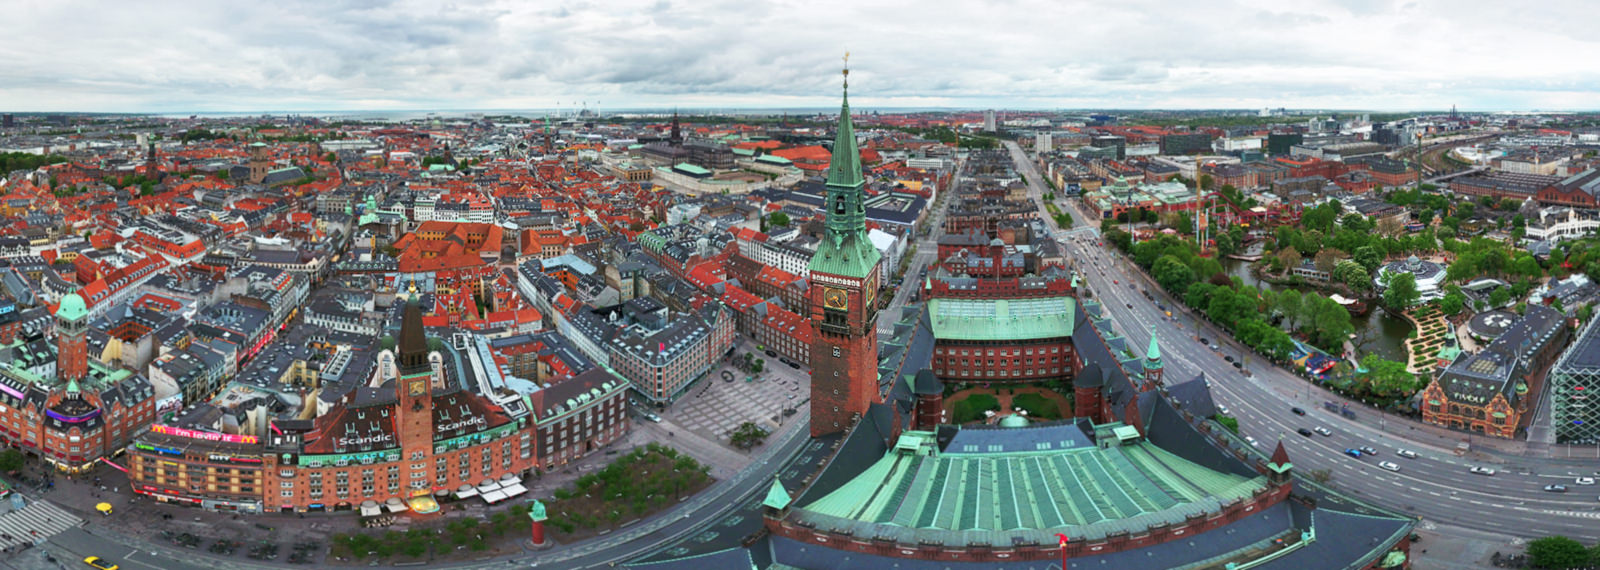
(37, 521)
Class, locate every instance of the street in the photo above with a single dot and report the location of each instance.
(1435, 486)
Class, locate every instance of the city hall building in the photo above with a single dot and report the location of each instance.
(400, 445)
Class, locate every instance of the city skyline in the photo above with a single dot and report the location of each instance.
(1355, 55)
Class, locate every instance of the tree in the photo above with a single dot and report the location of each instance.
(1172, 274)
(11, 460)
(1289, 305)
(780, 219)
(1325, 260)
(1387, 377)
(1499, 297)
(1584, 312)
(1452, 303)
(332, 157)
(1526, 265)
(1289, 257)
(1369, 258)
(1400, 291)
(1229, 422)
(1557, 552)
(747, 435)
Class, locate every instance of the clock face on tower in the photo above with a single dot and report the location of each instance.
(837, 299)
(418, 387)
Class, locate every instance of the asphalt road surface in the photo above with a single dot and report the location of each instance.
(1435, 486)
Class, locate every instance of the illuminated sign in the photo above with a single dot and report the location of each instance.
(233, 458)
(13, 391)
(204, 435)
(148, 447)
(95, 413)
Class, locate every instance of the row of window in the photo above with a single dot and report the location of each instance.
(1002, 373)
(1002, 352)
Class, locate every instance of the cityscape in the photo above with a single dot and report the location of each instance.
(1152, 313)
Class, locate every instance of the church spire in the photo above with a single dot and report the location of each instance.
(844, 169)
(1152, 355)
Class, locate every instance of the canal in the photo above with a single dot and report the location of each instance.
(1377, 331)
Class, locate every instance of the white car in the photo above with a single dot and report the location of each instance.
(1406, 453)
(1585, 480)
(1388, 466)
(1482, 471)
(1252, 441)
(1221, 409)
(1323, 431)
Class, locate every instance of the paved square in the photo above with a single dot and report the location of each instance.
(714, 407)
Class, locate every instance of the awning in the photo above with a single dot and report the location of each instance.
(487, 487)
(370, 509)
(494, 496)
(509, 477)
(514, 489)
(466, 491)
(396, 505)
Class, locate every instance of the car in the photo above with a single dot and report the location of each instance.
(1204, 341)
(1485, 471)
(1555, 488)
(771, 354)
(1115, 282)
(1406, 453)
(1130, 305)
(1252, 441)
(1367, 449)
(1304, 432)
(1356, 453)
(1388, 466)
(1297, 411)
(1239, 365)
(1222, 410)
(1585, 481)
(1322, 430)
(97, 562)
(1215, 347)
(1228, 358)
(794, 366)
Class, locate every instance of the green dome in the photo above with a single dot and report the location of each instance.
(1014, 421)
(72, 308)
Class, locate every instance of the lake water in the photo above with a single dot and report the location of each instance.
(1380, 332)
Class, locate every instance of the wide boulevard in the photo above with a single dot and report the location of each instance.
(1436, 486)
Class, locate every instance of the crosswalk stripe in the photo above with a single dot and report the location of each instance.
(42, 517)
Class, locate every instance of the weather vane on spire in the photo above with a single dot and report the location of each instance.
(847, 70)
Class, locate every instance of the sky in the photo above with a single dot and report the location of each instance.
(333, 55)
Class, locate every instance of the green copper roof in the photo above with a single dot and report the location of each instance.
(1083, 491)
(1153, 355)
(777, 497)
(72, 308)
(1001, 319)
(850, 255)
(844, 169)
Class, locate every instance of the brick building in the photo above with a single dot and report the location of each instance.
(1492, 391)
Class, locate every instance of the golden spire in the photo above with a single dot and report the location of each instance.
(847, 70)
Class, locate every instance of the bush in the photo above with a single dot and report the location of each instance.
(1228, 422)
(972, 408)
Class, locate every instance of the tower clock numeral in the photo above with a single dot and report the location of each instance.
(835, 352)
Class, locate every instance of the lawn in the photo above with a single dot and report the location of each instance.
(971, 408)
(1037, 406)
(471, 534)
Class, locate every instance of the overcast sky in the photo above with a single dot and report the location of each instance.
(68, 55)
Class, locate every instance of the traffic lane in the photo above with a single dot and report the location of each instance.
(75, 544)
(1264, 424)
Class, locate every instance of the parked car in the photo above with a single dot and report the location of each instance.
(1388, 466)
(1322, 430)
(1304, 432)
(1356, 453)
(1297, 411)
(1239, 365)
(1406, 453)
(1215, 347)
(1367, 449)
(1481, 471)
(1555, 488)
(771, 354)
